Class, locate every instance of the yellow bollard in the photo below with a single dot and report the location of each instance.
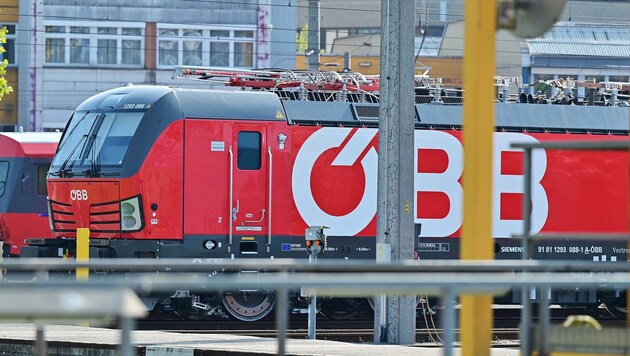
(83, 252)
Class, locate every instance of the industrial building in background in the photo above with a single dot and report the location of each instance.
(61, 52)
(591, 40)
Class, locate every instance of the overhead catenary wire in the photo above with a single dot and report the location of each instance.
(328, 5)
(360, 7)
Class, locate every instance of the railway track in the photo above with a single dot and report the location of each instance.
(361, 328)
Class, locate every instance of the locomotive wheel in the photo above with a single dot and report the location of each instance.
(249, 306)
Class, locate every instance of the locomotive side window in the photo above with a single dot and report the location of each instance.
(42, 170)
(4, 172)
(249, 150)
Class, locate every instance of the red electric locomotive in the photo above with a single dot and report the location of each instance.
(24, 161)
(155, 171)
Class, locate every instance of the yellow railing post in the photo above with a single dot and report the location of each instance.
(477, 242)
(83, 252)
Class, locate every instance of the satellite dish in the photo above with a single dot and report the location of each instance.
(528, 18)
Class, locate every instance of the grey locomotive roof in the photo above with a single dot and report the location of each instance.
(211, 104)
(535, 116)
(511, 116)
(238, 105)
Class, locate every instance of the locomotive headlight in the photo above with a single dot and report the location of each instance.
(127, 208)
(130, 214)
(129, 222)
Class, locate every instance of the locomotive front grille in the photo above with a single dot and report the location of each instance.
(62, 218)
(105, 217)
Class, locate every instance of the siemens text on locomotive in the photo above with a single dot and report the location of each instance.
(24, 161)
(155, 171)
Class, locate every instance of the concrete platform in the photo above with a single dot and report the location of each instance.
(18, 339)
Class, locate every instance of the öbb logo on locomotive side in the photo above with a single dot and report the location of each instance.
(439, 164)
(78, 194)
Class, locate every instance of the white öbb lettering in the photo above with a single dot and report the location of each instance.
(446, 182)
(78, 194)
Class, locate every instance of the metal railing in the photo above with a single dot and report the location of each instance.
(445, 279)
(528, 238)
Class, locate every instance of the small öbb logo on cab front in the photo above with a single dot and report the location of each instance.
(78, 194)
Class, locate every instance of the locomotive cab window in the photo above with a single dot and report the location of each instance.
(95, 140)
(249, 150)
(42, 170)
(4, 172)
(113, 137)
(74, 139)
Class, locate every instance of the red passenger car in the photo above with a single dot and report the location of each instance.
(24, 161)
(165, 172)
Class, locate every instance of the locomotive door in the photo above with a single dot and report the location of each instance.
(249, 175)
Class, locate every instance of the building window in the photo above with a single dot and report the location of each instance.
(192, 48)
(219, 54)
(204, 46)
(131, 50)
(244, 34)
(9, 47)
(168, 47)
(88, 44)
(243, 54)
(80, 45)
(106, 50)
(219, 34)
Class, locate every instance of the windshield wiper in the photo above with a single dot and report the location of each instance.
(63, 172)
(95, 164)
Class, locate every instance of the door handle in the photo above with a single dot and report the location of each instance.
(235, 210)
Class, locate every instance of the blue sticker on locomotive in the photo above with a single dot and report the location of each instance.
(286, 247)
